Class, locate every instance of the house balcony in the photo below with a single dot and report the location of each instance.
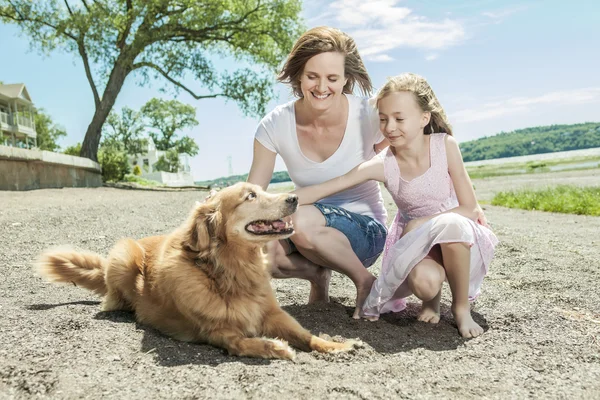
(18, 124)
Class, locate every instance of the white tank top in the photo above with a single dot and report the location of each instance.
(277, 132)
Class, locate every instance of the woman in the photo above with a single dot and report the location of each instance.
(323, 134)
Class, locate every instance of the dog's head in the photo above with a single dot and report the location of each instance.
(240, 213)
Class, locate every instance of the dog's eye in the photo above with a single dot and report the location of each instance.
(251, 196)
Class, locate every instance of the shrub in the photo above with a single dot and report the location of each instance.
(113, 160)
(137, 170)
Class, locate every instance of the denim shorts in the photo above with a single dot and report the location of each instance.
(366, 235)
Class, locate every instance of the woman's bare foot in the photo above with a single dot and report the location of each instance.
(466, 326)
(319, 286)
(362, 291)
(430, 310)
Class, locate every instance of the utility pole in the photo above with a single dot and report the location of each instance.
(230, 166)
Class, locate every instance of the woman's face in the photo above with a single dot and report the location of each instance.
(323, 80)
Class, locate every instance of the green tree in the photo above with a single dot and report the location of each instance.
(170, 39)
(113, 159)
(74, 150)
(165, 118)
(127, 128)
(169, 162)
(48, 133)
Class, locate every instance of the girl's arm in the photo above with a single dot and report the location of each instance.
(467, 201)
(369, 170)
(263, 164)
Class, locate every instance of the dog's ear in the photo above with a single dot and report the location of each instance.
(199, 229)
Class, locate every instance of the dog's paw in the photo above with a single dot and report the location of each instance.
(280, 349)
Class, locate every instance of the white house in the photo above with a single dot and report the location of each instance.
(183, 177)
(17, 124)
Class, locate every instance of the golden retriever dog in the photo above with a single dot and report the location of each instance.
(208, 281)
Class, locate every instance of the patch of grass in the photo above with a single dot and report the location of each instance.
(561, 199)
(140, 181)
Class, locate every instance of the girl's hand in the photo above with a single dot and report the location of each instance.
(481, 219)
(414, 224)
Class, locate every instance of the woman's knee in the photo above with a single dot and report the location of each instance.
(308, 226)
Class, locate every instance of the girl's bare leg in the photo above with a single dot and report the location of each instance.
(425, 282)
(456, 258)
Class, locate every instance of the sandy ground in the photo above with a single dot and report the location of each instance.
(540, 308)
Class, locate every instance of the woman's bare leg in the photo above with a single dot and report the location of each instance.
(330, 248)
(285, 265)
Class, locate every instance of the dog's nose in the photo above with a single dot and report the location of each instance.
(292, 199)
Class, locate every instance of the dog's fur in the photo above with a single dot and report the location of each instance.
(208, 281)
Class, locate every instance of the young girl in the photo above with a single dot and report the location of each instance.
(438, 233)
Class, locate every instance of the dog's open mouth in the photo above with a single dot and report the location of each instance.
(282, 226)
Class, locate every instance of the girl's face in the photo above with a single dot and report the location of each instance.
(322, 81)
(400, 118)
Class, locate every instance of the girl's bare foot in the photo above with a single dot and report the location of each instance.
(466, 326)
(362, 291)
(430, 310)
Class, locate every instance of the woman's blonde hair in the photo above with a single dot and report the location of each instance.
(325, 39)
(425, 97)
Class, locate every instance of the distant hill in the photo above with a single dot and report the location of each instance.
(535, 140)
(281, 176)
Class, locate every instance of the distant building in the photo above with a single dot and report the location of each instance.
(17, 123)
(146, 161)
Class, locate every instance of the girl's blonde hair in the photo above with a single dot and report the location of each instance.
(324, 39)
(425, 97)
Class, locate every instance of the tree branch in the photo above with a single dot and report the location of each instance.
(88, 70)
(122, 39)
(22, 18)
(165, 74)
(69, 7)
(85, 5)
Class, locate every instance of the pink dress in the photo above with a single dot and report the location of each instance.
(425, 195)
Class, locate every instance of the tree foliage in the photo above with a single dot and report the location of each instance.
(166, 118)
(535, 140)
(169, 162)
(48, 133)
(169, 39)
(127, 128)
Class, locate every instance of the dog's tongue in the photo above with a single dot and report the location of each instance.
(278, 225)
(265, 226)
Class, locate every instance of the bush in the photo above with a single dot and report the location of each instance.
(137, 170)
(74, 150)
(113, 160)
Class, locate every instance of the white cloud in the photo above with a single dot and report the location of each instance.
(499, 15)
(431, 57)
(517, 105)
(379, 26)
(379, 58)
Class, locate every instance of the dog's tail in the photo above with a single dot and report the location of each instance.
(80, 268)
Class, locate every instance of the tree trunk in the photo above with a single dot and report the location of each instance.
(89, 147)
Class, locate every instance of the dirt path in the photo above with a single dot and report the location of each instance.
(540, 307)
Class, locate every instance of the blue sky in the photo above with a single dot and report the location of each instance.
(494, 65)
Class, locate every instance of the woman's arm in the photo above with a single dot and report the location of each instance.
(263, 164)
(372, 169)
